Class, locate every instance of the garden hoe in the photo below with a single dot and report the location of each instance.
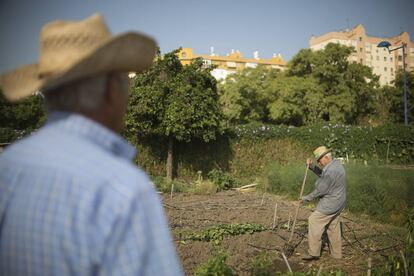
(289, 248)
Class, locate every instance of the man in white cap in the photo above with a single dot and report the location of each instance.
(330, 189)
(71, 200)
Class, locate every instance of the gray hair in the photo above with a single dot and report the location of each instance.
(81, 95)
(329, 154)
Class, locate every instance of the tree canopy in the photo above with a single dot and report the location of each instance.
(20, 118)
(174, 101)
(318, 86)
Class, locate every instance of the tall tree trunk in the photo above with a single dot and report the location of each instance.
(170, 158)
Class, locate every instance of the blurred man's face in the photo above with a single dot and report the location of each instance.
(324, 161)
(120, 83)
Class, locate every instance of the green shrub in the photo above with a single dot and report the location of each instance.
(223, 180)
(215, 266)
(164, 185)
(204, 188)
(262, 265)
(392, 143)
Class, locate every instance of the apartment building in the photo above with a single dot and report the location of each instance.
(231, 63)
(383, 63)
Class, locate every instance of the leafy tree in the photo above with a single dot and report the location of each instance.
(348, 89)
(385, 98)
(302, 64)
(397, 108)
(20, 118)
(174, 101)
(295, 100)
(242, 96)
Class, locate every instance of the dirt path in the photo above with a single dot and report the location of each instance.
(193, 213)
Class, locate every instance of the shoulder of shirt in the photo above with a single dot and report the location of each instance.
(86, 160)
(334, 167)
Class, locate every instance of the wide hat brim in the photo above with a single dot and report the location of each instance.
(128, 52)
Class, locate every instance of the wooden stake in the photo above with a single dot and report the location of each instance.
(287, 263)
(405, 263)
(172, 189)
(274, 217)
(297, 208)
(388, 150)
(320, 270)
(369, 267)
(290, 216)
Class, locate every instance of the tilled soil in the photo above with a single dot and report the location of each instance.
(188, 213)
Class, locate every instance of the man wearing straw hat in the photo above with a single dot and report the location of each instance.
(71, 200)
(330, 189)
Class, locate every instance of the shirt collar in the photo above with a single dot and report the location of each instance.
(78, 125)
(329, 164)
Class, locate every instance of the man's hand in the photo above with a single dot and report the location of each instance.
(309, 162)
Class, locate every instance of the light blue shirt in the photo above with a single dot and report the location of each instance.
(330, 188)
(73, 203)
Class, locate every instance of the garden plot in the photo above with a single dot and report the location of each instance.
(244, 226)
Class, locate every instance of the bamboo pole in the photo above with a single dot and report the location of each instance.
(369, 267)
(274, 217)
(320, 270)
(388, 150)
(405, 263)
(286, 261)
(297, 208)
(288, 224)
(172, 189)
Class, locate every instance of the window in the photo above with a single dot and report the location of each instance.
(378, 58)
(385, 58)
(183, 54)
(392, 71)
(385, 69)
(399, 58)
(360, 49)
(391, 59)
(360, 38)
(360, 61)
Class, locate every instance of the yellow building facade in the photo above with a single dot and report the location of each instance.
(383, 63)
(231, 63)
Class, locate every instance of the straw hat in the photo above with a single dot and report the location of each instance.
(320, 152)
(71, 50)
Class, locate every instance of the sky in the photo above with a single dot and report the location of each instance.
(266, 26)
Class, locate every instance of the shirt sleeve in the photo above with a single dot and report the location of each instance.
(140, 242)
(321, 188)
(316, 170)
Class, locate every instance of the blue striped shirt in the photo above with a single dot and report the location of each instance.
(73, 203)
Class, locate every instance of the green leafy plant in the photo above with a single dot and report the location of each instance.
(218, 232)
(262, 265)
(223, 180)
(164, 185)
(204, 188)
(215, 266)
